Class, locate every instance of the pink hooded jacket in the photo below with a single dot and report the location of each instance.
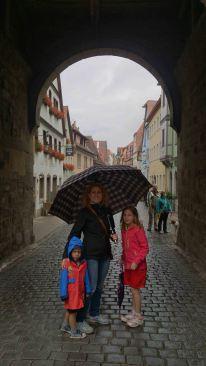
(134, 247)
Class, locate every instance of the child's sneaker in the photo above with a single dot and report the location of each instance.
(66, 328)
(84, 327)
(77, 334)
(130, 316)
(100, 319)
(136, 321)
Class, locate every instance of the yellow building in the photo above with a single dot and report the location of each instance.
(156, 168)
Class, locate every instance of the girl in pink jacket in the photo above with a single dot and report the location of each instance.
(134, 251)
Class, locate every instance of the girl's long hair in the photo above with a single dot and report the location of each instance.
(135, 214)
(86, 199)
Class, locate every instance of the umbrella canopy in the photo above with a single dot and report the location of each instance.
(125, 186)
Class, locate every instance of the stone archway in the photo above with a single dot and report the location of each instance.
(165, 36)
(171, 89)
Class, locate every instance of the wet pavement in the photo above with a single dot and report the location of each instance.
(174, 306)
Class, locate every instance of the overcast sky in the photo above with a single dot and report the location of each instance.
(105, 95)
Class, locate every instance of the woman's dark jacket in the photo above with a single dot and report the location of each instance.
(96, 242)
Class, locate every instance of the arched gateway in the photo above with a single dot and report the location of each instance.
(40, 38)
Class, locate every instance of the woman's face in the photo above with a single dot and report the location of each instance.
(128, 217)
(95, 195)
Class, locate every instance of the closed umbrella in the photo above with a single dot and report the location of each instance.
(120, 289)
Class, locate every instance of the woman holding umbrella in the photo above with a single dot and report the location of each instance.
(96, 222)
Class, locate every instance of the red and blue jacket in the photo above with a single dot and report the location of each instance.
(74, 280)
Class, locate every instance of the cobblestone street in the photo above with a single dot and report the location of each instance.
(174, 306)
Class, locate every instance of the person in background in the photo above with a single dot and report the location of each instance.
(163, 208)
(152, 203)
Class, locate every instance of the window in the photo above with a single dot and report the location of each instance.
(41, 187)
(56, 104)
(163, 137)
(60, 146)
(79, 161)
(163, 98)
(85, 162)
(44, 137)
(55, 144)
(50, 141)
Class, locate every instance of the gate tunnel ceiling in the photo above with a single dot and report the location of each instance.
(51, 33)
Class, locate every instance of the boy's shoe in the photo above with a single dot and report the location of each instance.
(84, 327)
(126, 318)
(65, 328)
(99, 319)
(77, 334)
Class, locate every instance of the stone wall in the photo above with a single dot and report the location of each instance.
(191, 74)
(16, 157)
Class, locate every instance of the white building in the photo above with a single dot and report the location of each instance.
(69, 160)
(49, 149)
(168, 152)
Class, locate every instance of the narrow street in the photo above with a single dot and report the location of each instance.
(173, 334)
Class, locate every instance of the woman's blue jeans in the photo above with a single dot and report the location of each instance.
(98, 270)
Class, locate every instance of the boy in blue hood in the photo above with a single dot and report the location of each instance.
(74, 286)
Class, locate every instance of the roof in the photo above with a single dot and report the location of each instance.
(154, 110)
(149, 105)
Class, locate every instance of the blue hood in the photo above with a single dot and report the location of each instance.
(74, 242)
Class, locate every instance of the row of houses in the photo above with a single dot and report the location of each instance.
(153, 149)
(60, 149)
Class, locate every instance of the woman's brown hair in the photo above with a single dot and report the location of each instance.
(86, 199)
(135, 214)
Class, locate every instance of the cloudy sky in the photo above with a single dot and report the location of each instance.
(105, 95)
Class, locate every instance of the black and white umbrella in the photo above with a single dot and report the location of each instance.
(125, 186)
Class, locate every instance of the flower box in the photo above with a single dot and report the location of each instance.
(53, 153)
(61, 156)
(60, 114)
(47, 101)
(70, 167)
(38, 146)
(46, 149)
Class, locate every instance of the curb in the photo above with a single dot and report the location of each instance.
(21, 253)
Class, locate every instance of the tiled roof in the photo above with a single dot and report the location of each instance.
(149, 105)
(154, 109)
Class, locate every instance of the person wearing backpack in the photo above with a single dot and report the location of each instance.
(163, 208)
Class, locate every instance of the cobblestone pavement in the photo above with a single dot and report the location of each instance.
(174, 304)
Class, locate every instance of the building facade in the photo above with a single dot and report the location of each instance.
(102, 150)
(68, 164)
(145, 140)
(137, 147)
(168, 151)
(83, 157)
(157, 171)
(48, 149)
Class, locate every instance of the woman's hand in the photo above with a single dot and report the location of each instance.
(134, 266)
(114, 237)
(63, 264)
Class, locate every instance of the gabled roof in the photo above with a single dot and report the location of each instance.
(149, 105)
(154, 110)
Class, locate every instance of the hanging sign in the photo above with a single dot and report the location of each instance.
(69, 150)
